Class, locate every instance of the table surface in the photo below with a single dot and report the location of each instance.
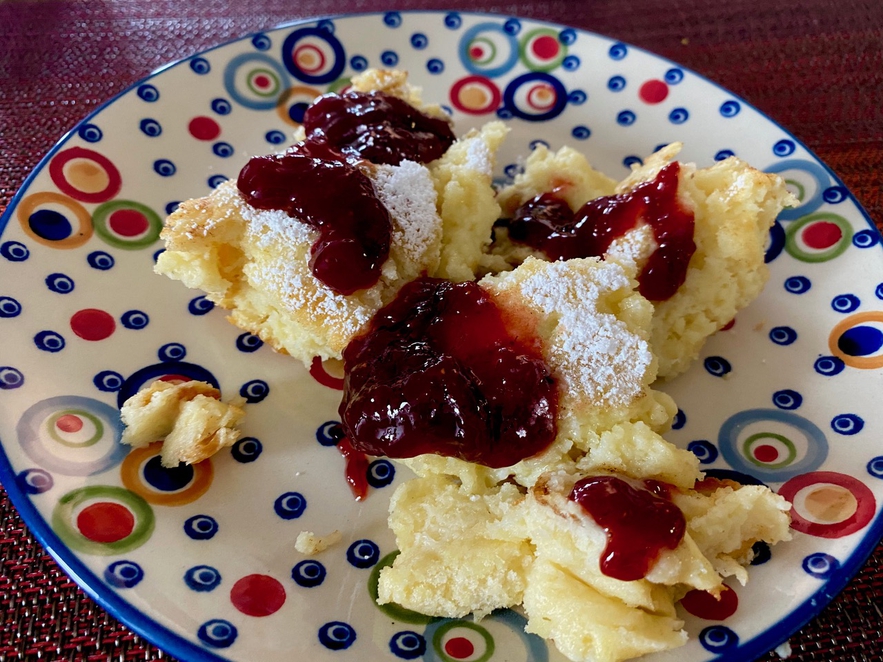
(815, 67)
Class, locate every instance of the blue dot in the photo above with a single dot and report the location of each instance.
(453, 20)
(326, 26)
(290, 505)
(704, 450)
(762, 553)
(223, 149)
(538, 143)
(108, 381)
(275, 137)
(358, 63)
(247, 449)
(90, 133)
(148, 93)
(512, 26)
(9, 307)
(150, 127)
(717, 366)
(59, 283)
(221, 106)
(217, 633)
(308, 574)
(248, 343)
(329, 433)
(363, 554)
(626, 118)
(616, 84)
(200, 65)
(10, 378)
(172, 351)
(570, 63)
(254, 391)
(580, 132)
(784, 148)
(200, 306)
(847, 424)
(879, 291)
(787, 399)
(718, 638)
(567, 36)
(861, 341)
(630, 161)
(261, 42)
(381, 473)
(14, 251)
(166, 479)
(100, 260)
(216, 180)
(618, 51)
(829, 366)
(435, 66)
(201, 527)
(821, 566)
(337, 635)
(845, 303)
(674, 76)
(164, 167)
(419, 41)
(50, 225)
(172, 207)
(202, 578)
(776, 242)
(678, 116)
(783, 335)
(504, 113)
(135, 319)
(389, 58)
(34, 481)
(680, 420)
(723, 154)
(392, 18)
(835, 194)
(875, 467)
(730, 108)
(123, 574)
(798, 284)
(865, 238)
(49, 341)
(577, 97)
(407, 645)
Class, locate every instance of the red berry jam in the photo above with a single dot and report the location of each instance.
(377, 127)
(437, 371)
(547, 224)
(317, 186)
(639, 522)
(355, 468)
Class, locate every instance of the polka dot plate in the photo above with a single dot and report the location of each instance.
(201, 560)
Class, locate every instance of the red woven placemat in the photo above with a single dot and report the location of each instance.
(815, 67)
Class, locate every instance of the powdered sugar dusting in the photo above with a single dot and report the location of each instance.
(479, 157)
(635, 246)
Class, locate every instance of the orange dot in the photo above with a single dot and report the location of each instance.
(85, 175)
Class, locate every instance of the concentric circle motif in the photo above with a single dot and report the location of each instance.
(142, 473)
(465, 641)
(246, 450)
(255, 80)
(168, 371)
(818, 237)
(293, 103)
(72, 435)
(329, 433)
(15, 251)
(718, 638)
(10, 378)
(290, 505)
(85, 175)
(217, 633)
(475, 95)
(363, 554)
(202, 578)
(487, 49)
(309, 573)
(34, 481)
(127, 224)
(827, 504)
(858, 340)
(201, 527)
(535, 97)
(123, 574)
(381, 473)
(407, 645)
(102, 520)
(337, 635)
(541, 50)
(772, 444)
(820, 565)
(313, 55)
(54, 220)
(704, 450)
(807, 181)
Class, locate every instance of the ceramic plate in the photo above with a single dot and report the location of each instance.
(201, 560)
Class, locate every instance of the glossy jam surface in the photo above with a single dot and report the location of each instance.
(317, 186)
(639, 522)
(547, 224)
(438, 372)
(377, 127)
(355, 468)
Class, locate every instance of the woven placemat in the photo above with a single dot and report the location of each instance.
(816, 67)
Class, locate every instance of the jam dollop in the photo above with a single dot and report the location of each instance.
(377, 127)
(437, 371)
(639, 522)
(547, 224)
(318, 186)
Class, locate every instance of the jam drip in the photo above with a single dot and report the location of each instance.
(317, 186)
(377, 127)
(438, 372)
(547, 224)
(355, 469)
(639, 522)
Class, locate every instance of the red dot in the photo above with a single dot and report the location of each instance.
(766, 453)
(261, 81)
(174, 379)
(204, 128)
(822, 235)
(545, 47)
(318, 372)
(729, 325)
(69, 423)
(476, 52)
(257, 595)
(704, 605)
(128, 222)
(105, 521)
(653, 91)
(92, 324)
(459, 647)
